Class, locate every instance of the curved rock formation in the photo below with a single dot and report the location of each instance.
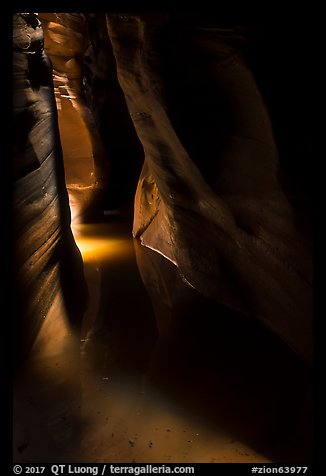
(209, 198)
(85, 159)
(45, 254)
(106, 100)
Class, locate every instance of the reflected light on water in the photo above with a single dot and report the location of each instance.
(94, 247)
(108, 394)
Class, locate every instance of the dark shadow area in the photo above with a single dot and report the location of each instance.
(194, 52)
(227, 370)
(199, 104)
(280, 60)
(212, 365)
(124, 323)
(47, 419)
(106, 100)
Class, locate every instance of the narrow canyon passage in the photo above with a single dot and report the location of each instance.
(162, 242)
(156, 374)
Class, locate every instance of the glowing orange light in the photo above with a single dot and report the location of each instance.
(95, 247)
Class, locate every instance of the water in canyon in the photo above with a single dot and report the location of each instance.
(155, 372)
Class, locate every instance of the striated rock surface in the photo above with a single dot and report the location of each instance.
(85, 159)
(209, 198)
(46, 260)
(108, 105)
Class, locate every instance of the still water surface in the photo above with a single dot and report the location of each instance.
(157, 374)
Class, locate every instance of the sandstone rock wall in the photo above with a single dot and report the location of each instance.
(106, 100)
(46, 260)
(85, 159)
(209, 198)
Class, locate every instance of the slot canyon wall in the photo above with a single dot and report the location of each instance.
(210, 198)
(46, 260)
(107, 102)
(85, 160)
(178, 91)
(101, 150)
